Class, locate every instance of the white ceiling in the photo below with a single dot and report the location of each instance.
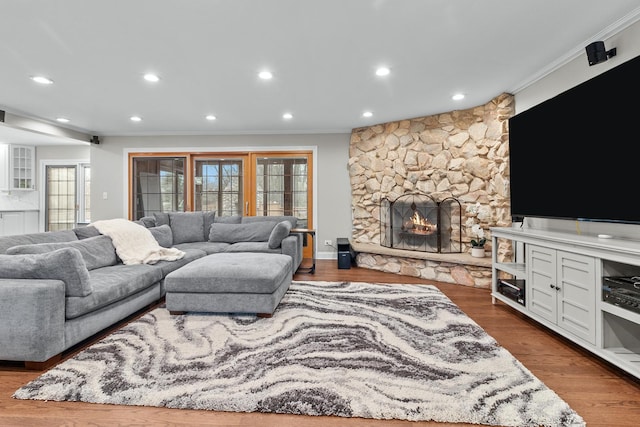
(323, 54)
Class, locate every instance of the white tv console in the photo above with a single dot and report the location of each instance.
(563, 273)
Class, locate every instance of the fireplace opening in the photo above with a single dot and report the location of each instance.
(418, 222)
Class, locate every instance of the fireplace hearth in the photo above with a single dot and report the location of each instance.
(418, 222)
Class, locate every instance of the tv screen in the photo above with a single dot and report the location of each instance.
(575, 156)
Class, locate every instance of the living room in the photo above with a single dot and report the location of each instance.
(333, 198)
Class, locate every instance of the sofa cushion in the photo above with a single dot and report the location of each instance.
(232, 233)
(254, 247)
(96, 251)
(233, 219)
(276, 218)
(64, 264)
(111, 284)
(189, 255)
(163, 235)
(187, 226)
(279, 232)
(7, 242)
(207, 247)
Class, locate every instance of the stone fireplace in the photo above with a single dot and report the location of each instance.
(463, 155)
(417, 222)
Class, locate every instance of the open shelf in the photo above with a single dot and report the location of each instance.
(573, 266)
(620, 312)
(513, 268)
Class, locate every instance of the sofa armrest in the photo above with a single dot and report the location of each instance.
(32, 319)
(292, 246)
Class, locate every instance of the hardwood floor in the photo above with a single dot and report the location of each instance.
(600, 393)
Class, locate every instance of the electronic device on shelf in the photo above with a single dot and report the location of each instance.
(623, 291)
(512, 289)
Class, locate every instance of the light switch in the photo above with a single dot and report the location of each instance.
(104, 195)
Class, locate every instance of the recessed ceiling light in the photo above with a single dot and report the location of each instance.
(42, 80)
(151, 78)
(287, 116)
(383, 71)
(210, 117)
(136, 118)
(367, 114)
(265, 75)
(62, 120)
(458, 96)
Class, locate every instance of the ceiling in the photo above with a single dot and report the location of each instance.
(323, 55)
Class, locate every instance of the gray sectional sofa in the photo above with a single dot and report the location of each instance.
(59, 288)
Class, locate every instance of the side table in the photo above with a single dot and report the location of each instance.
(311, 233)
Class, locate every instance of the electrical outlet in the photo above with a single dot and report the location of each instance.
(327, 243)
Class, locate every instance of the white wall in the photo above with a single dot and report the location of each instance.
(332, 193)
(62, 152)
(627, 43)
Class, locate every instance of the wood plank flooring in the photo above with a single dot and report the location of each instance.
(603, 395)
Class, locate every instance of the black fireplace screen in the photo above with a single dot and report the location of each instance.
(417, 222)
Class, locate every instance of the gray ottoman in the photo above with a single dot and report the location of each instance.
(230, 283)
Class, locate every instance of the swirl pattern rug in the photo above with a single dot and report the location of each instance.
(346, 349)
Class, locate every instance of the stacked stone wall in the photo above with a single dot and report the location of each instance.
(462, 154)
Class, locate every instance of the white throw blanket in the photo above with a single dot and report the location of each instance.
(134, 243)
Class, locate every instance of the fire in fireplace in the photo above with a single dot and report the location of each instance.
(419, 225)
(418, 222)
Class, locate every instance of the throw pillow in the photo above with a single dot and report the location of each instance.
(161, 218)
(86, 232)
(208, 218)
(163, 235)
(96, 251)
(186, 227)
(279, 232)
(64, 264)
(148, 221)
(233, 233)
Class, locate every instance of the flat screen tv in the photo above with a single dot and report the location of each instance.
(576, 156)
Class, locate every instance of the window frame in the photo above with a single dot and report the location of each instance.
(79, 164)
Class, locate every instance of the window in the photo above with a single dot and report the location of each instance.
(158, 185)
(261, 184)
(281, 187)
(238, 183)
(218, 186)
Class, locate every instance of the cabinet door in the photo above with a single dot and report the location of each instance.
(576, 280)
(22, 167)
(31, 224)
(11, 223)
(4, 167)
(541, 282)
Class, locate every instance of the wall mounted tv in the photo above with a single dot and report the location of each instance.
(576, 156)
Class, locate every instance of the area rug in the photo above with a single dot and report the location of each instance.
(347, 349)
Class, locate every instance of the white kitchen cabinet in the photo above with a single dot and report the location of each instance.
(17, 163)
(18, 222)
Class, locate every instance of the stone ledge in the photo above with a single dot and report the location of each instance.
(456, 258)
